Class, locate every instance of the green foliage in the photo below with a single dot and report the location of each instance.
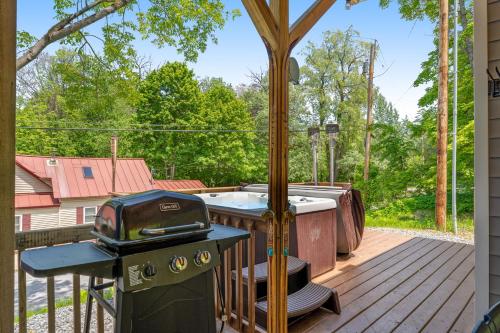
(76, 91)
(417, 212)
(171, 96)
(218, 134)
(187, 25)
(223, 158)
(24, 39)
(333, 88)
(184, 24)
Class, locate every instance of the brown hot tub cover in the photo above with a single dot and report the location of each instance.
(350, 221)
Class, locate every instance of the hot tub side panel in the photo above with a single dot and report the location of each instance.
(317, 240)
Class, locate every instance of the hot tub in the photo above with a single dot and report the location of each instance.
(312, 231)
(257, 202)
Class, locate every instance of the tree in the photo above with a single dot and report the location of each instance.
(223, 158)
(73, 91)
(335, 90)
(185, 25)
(171, 97)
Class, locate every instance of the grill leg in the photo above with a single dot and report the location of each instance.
(88, 311)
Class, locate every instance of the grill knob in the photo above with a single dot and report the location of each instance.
(202, 258)
(149, 271)
(178, 264)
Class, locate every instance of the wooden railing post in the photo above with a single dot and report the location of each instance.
(239, 278)
(51, 305)
(227, 277)
(21, 294)
(77, 319)
(249, 224)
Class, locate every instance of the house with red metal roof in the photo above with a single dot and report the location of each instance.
(63, 191)
(175, 184)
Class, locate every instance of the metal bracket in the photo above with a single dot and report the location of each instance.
(93, 292)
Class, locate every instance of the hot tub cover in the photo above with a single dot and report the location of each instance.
(350, 210)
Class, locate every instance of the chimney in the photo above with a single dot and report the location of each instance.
(114, 153)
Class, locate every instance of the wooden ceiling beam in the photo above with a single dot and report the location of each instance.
(263, 20)
(305, 22)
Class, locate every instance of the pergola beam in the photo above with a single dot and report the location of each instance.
(263, 20)
(307, 20)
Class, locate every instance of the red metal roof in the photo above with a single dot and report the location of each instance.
(35, 200)
(132, 175)
(172, 185)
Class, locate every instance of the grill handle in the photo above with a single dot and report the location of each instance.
(168, 230)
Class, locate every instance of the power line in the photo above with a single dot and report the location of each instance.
(94, 129)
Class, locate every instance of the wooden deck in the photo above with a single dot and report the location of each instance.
(395, 283)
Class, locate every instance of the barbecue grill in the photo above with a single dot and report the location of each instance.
(159, 249)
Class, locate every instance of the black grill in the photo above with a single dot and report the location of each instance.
(149, 220)
(159, 249)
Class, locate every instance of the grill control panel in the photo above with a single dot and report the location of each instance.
(167, 266)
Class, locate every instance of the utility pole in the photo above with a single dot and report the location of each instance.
(442, 118)
(114, 159)
(455, 111)
(369, 117)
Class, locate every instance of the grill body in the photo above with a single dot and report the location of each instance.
(159, 249)
(178, 308)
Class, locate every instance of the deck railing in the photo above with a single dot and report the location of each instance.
(57, 236)
(50, 237)
(234, 260)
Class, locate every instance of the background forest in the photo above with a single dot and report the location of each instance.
(71, 102)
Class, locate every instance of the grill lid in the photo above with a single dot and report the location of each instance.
(152, 216)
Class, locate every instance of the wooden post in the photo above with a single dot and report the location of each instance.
(369, 116)
(442, 118)
(7, 161)
(272, 23)
(114, 157)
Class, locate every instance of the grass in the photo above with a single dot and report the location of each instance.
(409, 221)
(67, 301)
(418, 213)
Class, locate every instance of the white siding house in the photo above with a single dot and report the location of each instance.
(59, 192)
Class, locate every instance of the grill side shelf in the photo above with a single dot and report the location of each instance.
(81, 258)
(227, 236)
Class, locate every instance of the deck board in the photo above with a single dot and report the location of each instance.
(386, 314)
(395, 282)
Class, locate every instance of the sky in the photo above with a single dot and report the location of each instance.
(404, 45)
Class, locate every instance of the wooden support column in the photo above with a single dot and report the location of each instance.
(7, 161)
(442, 118)
(272, 23)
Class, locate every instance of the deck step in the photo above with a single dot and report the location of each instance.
(294, 265)
(313, 296)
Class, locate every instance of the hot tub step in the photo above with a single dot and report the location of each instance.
(313, 296)
(294, 266)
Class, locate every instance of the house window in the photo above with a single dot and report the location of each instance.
(89, 214)
(87, 172)
(19, 223)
